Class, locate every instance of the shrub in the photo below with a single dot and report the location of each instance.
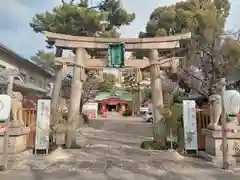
(127, 113)
(85, 118)
(157, 146)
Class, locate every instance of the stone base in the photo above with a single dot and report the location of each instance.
(59, 134)
(217, 159)
(213, 142)
(60, 138)
(17, 140)
(213, 145)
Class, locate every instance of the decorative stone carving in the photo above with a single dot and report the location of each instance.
(221, 147)
(215, 110)
(232, 123)
(17, 116)
(232, 106)
(236, 147)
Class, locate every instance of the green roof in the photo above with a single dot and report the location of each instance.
(122, 95)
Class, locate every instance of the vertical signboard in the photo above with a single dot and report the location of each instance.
(43, 124)
(116, 55)
(190, 125)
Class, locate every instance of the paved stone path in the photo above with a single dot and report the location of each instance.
(113, 156)
(124, 126)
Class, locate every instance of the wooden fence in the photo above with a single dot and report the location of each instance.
(202, 123)
(29, 119)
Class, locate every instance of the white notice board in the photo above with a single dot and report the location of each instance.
(43, 124)
(190, 125)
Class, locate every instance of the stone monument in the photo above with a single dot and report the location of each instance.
(17, 105)
(215, 110)
(213, 134)
(17, 130)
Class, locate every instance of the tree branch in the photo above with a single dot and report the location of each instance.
(188, 73)
(195, 89)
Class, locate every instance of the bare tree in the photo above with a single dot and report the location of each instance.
(203, 68)
(90, 87)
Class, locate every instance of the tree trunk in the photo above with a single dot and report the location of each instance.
(133, 104)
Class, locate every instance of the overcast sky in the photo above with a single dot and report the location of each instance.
(15, 16)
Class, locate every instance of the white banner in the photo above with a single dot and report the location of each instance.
(43, 124)
(190, 125)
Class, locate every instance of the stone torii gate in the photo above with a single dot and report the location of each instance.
(82, 61)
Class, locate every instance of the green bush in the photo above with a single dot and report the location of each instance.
(85, 118)
(157, 146)
(127, 113)
(175, 145)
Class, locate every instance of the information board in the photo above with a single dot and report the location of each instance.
(190, 125)
(43, 124)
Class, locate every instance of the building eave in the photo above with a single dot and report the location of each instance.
(22, 85)
(29, 86)
(24, 60)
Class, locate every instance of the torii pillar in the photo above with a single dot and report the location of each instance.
(75, 97)
(56, 88)
(157, 97)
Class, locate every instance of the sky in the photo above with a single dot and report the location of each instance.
(15, 16)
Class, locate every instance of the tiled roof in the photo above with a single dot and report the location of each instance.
(118, 94)
(24, 60)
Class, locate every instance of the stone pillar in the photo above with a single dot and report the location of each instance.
(100, 74)
(157, 97)
(139, 97)
(156, 84)
(75, 97)
(174, 63)
(139, 75)
(56, 88)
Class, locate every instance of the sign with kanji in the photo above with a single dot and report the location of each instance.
(116, 55)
